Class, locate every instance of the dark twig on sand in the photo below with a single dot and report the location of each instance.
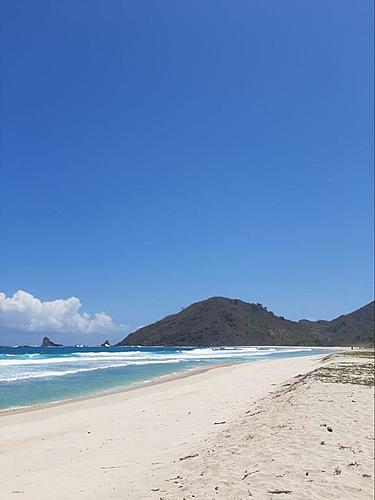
(252, 414)
(249, 473)
(279, 492)
(188, 456)
(219, 423)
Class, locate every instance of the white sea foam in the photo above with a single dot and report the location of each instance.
(182, 354)
(54, 373)
(40, 365)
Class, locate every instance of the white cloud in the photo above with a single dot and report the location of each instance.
(24, 312)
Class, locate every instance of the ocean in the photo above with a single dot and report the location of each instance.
(32, 375)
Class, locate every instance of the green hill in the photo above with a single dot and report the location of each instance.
(222, 321)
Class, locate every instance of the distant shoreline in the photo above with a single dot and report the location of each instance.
(167, 346)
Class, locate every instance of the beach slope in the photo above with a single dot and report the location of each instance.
(269, 429)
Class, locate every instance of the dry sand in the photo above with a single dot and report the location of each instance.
(244, 431)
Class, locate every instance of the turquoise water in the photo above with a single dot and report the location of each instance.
(31, 375)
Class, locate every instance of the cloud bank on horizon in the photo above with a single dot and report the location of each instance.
(24, 312)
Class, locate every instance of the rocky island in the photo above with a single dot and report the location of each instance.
(48, 343)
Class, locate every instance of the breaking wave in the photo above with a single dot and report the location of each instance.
(59, 363)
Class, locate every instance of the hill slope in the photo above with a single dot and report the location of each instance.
(221, 321)
(354, 328)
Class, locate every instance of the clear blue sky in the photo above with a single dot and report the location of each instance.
(157, 153)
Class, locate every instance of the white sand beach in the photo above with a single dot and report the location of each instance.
(255, 430)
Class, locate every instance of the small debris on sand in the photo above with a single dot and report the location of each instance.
(249, 473)
(280, 492)
(188, 456)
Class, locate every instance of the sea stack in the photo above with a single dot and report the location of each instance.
(106, 344)
(48, 343)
